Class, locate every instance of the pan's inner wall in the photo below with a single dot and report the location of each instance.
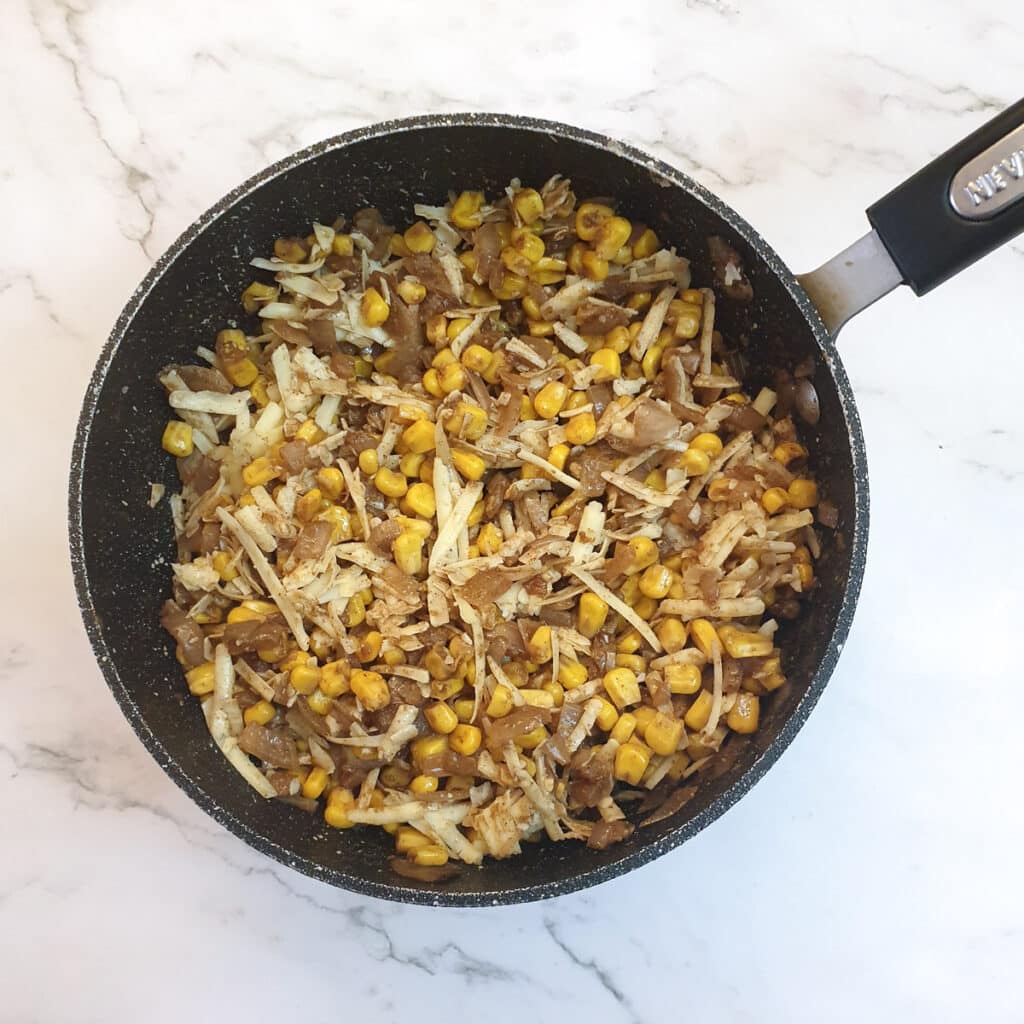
(128, 547)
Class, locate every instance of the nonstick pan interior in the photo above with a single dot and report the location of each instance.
(122, 550)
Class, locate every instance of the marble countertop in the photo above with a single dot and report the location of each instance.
(875, 872)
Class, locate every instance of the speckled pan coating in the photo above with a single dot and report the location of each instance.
(120, 549)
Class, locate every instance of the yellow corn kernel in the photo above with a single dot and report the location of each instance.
(362, 367)
(315, 783)
(419, 237)
(476, 358)
(310, 433)
(741, 643)
(340, 520)
(655, 581)
(539, 645)
(223, 563)
(646, 245)
(634, 662)
(651, 362)
(464, 709)
(621, 685)
(393, 656)
(437, 329)
(355, 611)
(451, 378)
(510, 285)
(258, 388)
(537, 697)
(556, 691)
(710, 444)
(589, 217)
(672, 633)
(608, 361)
(532, 739)
(476, 514)
(789, 451)
(646, 606)
(540, 328)
(616, 341)
(594, 265)
(629, 643)
(571, 674)
(806, 574)
(528, 205)
(663, 734)
(607, 716)
(418, 437)
(526, 244)
(370, 688)
(470, 466)
(309, 505)
(500, 703)
(304, 678)
(256, 294)
(575, 258)
(548, 270)
(423, 784)
(622, 731)
(200, 679)
(465, 739)
(390, 483)
(421, 500)
(339, 803)
(441, 718)
(581, 429)
(467, 421)
(480, 296)
(638, 300)
(408, 552)
(492, 372)
(397, 246)
(744, 714)
(260, 471)
(737, 397)
(373, 309)
(433, 855)
(526, 410)
(411, 292)
(290, 250)
(331, 482)
(684, 679)
(259, 713)
(631, 761)
(644, 551)
(445, 356)
(644, 716)
(694, 462)
(655, 480)
(774, 500)
(489, 539)
(698, 713)
(426, 747)
(803, 494)
(576, 400)
(342, 245)
(720, 489)
(408, 840)
(705, 637)
(410, 465)
(177, 439)
(687, 322)
(549, 400)
(593, 611)
(368, 648)
(466, 210)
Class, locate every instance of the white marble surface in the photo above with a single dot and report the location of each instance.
(875, 873)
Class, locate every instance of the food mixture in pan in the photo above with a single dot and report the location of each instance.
(480, 536)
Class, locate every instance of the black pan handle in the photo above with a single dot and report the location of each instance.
(960, 207)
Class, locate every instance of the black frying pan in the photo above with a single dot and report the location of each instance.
(949, 215)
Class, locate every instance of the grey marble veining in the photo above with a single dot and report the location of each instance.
(874, 873)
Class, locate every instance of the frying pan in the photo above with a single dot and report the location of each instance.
(950, 214)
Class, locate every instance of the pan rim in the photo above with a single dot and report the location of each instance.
(587, 877)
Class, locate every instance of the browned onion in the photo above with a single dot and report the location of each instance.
(806, 401)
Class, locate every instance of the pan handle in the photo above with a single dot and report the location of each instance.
(960, 207)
